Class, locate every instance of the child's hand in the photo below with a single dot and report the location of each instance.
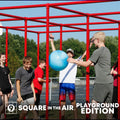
(12, 92)
(1, 93)
(34, 97)
(19, 99)
(51, 37)
(91, 42)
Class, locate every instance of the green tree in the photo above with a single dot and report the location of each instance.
(16, 51)
(13, 62)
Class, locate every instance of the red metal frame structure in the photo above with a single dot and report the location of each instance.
(49, 24)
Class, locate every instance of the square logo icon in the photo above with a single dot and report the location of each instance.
(11, 108)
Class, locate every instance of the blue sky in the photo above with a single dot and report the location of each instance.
(86, 8)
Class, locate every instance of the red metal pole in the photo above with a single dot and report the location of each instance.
(103, 18)
(6, 51)
(38, 49)
(32, 26)
(60, 49)
(61, 37)
(85, 14)
(106, 29)
(54, 17)
(10, 19)
(62, 31)
(55, 24)
(67, 16)
(25, 42)
(51, 4)
(76, 2)
(91, 23)
(66, 25)
(23, 30)
(69, 10)
(22, 6)
(106, 13)
(87, 69)
(47, 60)
(14, 16)
(62, 16)
(119, 72)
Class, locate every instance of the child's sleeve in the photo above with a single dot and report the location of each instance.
(17, 75)
(95, 56)
(40, 74)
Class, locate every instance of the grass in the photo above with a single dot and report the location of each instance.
(53, 115)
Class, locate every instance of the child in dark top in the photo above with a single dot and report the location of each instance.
(6, 87)
(114, 72)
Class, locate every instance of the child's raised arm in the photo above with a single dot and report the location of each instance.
(52, 41)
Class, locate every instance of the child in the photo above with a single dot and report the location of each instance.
(24, 86)
(38, 81)
(67, 84)
(101, 58)
(6, 87)
(114, 72)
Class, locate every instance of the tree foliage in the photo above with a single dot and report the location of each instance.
(16, 51)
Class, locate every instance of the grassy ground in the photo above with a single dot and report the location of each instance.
(54, 115)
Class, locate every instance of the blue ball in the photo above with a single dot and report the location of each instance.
(58, 60)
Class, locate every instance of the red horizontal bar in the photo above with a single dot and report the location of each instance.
(3, 27)
(67, 16)
(50, 4)
(23, 18)
(106, 29)
(91, 23)
(105, 13)
(22, 6)
(30, 26)
(66, 9)
(73, 11)
(56, 24)
(23, 30)
(54, 17)
(70, 24)
(75, 27)
(116, 21)
(44, 22)
(63, 31)
(51, 17)
(10, 19)
(8, 15)
(76, 2)
(18, 29)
